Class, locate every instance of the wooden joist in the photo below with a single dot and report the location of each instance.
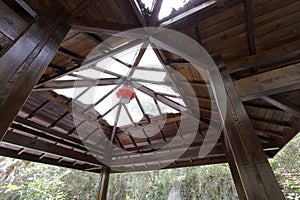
(269, 83)
(95, 26)
(103, 183)
(24, 62)
(284, 104)
(49, 148)
(46, 160)
(254, 171)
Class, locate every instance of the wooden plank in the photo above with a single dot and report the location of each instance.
(284, 104)
(138, 14)
(25, 61)
(155, 12)
(103, 184)
(95, 26)
(269, 83)
(77, 84)
(11, 24)
(49, 148)
(81, 7)
(168, 155)
(255, 173)
(272, 57)
(250, 27)
(234, 171)
(37, 158)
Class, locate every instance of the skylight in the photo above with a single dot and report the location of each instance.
(148, 74)
(169, 5)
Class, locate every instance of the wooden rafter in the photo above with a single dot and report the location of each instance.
(32, 61)
(284, 104)
(92, 61)
(95, 26)
(77, 84)
(254, 171)
(250, 26)
(155, 12)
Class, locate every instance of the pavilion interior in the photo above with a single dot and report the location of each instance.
(62, 63)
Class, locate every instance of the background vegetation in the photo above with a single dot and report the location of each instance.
(25, 180)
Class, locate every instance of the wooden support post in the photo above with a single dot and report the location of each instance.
(103, 184)
(24, 62)
(254, 172)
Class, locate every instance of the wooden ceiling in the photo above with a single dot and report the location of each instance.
(258, 40)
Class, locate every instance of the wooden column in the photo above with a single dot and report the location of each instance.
(23, 63)
(103, 184)
(246, 156)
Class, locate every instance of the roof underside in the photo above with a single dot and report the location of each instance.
(258, 41)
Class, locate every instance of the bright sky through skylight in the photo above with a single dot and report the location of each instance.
(168, 5)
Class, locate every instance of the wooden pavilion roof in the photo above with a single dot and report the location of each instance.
(258, 41)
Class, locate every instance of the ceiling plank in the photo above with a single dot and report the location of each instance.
(284, 104)
(96, 26)
(250, 26)
(269, 83)
(138, 14)
(36, 158)
(273, 57)
(50, 148)
(78, 83)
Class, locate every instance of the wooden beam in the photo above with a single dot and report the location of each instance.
(194, 17)
(163, 156)
(95, 26)
(254, 171)
(155, 13)
(269, 83)
(287, 53)
(138, 14)
(83, 6)
(48, 148)
(78, 83)
(250, 26)
(92, 61)
(36, 158)
(284, 104)
(11, 24)
(25, 61)
(103, 184)
(70, 54)
(234, 171)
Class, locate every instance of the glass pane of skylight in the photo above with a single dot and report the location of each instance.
(123, 119)
(160, 88)
(166, 109)
(113, 66)
(150, 59)
(148, 104)
(135, 110)
(168, 6)
(129, 55)
(70, 92)
(107, 103)
(67, 78)
(91, 73)
(149, 75)
(94, 94)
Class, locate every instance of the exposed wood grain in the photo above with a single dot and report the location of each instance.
(254, 170)
(25, 61)
(103, 184)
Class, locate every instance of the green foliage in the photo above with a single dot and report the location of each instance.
(21, 180)
(39, 181)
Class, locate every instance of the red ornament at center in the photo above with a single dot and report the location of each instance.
(125, 94)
